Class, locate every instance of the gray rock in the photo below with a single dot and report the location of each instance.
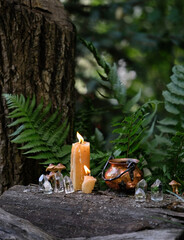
(162, 234)
(15, 228)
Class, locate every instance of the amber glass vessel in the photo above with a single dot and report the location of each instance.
(122, 174)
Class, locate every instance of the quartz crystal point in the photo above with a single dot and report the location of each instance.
(47, 187)
(41, 180)
(140, 195)
(58, 182)
(68, 185)
(157, 191)
(143, 185)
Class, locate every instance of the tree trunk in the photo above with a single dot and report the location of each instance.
(37, 44)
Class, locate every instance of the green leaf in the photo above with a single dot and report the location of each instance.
(30, 138)
(171, 108)
(32, 106)
(36, 123)
(57, 135)
(18, 121)
(133, 101)
(37, 149)
(46, 155)
(168, 121)
(173, 88)
(165, 129)
(32, 144)
(172, 98)
(18, 131)
(177, 82)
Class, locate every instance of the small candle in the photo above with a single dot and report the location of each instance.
(80, 156)
(88, 183)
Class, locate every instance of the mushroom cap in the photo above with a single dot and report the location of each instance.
(59, 167)
(174, 183)
(50, 167)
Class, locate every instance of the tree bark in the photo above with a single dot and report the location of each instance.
(37, 46)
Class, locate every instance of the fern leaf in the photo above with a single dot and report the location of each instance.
(57, 134)
(171, 108)
(133, 101)
(162, 140)
(32, 105)
(40, 134)
(178, 70)
(18, 121)
(64, 151)
(168, 121)
(176, 81)
(26, 133)
(173, 88)
(32, 144)
(36, 112)
(17, 114)
(18, 131)
(165, 129)
(48, 123)
(40, 156)
(172, 98)
(30, 138)
(43, 114)
(37, 149)
(64, 135)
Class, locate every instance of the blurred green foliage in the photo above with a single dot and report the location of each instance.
(142, 40)
(147, 35)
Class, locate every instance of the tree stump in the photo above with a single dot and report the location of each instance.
(37, 46)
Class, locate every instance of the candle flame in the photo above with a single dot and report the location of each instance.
(86, 169)
(80, 138)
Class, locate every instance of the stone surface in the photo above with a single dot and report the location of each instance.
(105, 214)
(13, 227)
(164, 234)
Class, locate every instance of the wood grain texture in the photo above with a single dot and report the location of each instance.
(37, 48)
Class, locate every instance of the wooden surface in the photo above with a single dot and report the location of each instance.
(82, 216)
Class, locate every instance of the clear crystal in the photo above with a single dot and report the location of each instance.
(157, 191)
(140, 195)
(47, 187)
(41, 180)
(58, 182)
(68, 185)
(143, 185)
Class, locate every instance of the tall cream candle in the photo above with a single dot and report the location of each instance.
(80, 156)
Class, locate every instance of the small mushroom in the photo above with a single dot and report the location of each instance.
(50, 176)
(59, 167)
(50, 168)
(174, 185)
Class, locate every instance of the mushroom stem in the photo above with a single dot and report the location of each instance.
(176, 191)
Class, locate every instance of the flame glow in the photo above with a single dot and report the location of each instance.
(80, 138)
(86, 169)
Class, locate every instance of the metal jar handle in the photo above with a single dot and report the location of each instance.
(130, 169)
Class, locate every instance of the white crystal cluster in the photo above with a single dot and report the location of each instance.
(58, 184)
(156, 191)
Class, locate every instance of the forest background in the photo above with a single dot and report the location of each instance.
(145, 39)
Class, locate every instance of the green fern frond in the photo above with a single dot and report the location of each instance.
(174, 101)
(41, 133)
(110, 79)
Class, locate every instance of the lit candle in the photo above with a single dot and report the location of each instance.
(80, 156)
(89, 182)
